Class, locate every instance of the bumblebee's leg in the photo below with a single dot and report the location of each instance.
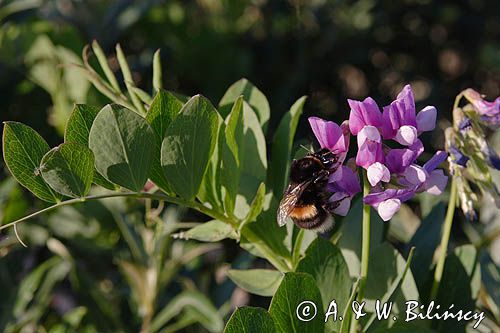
(330, 206)
(321, 176)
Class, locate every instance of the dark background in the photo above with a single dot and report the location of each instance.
(328, 50)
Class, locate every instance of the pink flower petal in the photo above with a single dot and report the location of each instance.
(415, 175)
(368, 133)
(363, 113)
(406, 135)
(328, 134)
(386, 209)
(378, 172)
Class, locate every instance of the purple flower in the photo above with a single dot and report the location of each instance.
(484, 108)
(344, 184)
(331, 136)
(365, 120)
(414, 179)
(400, 122)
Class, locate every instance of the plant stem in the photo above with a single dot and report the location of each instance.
(296, 248)
(448, 221)
(365, 250)
(139, 195)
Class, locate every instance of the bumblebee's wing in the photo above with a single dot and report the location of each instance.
(290, 198)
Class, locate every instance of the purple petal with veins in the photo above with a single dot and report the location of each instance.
(397, 160)
(328, 134)
(362, 114)
(369, 153)
(482, 106)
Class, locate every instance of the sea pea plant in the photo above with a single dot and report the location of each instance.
(185, 151)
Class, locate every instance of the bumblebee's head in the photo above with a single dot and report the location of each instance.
(304, 168)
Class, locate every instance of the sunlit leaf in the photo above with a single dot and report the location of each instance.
(69, 169)
(23, 150)
(263, 282)
(188, 146)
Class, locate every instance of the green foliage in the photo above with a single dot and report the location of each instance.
(23, 150)
(188, 144)
(123, 143)
(250, 320)
(262, 282)
(69, 169)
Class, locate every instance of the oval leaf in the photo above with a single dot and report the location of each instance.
(252, 95)
(211, 231)
(123, 144)
(250, 320)
(294, 290)
(69, 169)
(263, 282)
(324, 261)
(164, 108)
(282, 147)
(188, 146)
(78, 130)
(23, 150)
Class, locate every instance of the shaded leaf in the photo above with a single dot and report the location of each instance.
(278, 172)
(188, 146)
(351, 236)
(263, 282)
(164, 108)
(425, 240)
(293, 290)
(23, 150)
(78, 130)
(207, 314)
(256, 206)
(69, 169)
(250, 320)
(325, 263)
(123, 146)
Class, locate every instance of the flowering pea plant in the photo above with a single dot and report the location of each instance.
(213, 159)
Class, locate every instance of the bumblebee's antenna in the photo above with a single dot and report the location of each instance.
(307, 149)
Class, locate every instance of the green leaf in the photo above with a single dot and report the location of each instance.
(123, 146)
(210, 191)
(250, 320)
(263, 282)
(253, 162)
(230, 155)
(211, 231)
(351, 236)
(207, 314)
(278, 172)
(188, 146)
(469, 258)
(388, 278)
(252, 95)
(23, 150)
(164, 108)
(78, 130)
(256, 206)
(425, 240)
(69, 169)
(293, 290)
(454, 288)
(324, 261)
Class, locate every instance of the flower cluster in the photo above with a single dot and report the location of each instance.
(470, 154)
(393, 173)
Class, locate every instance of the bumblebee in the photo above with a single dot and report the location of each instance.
(305, 200)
